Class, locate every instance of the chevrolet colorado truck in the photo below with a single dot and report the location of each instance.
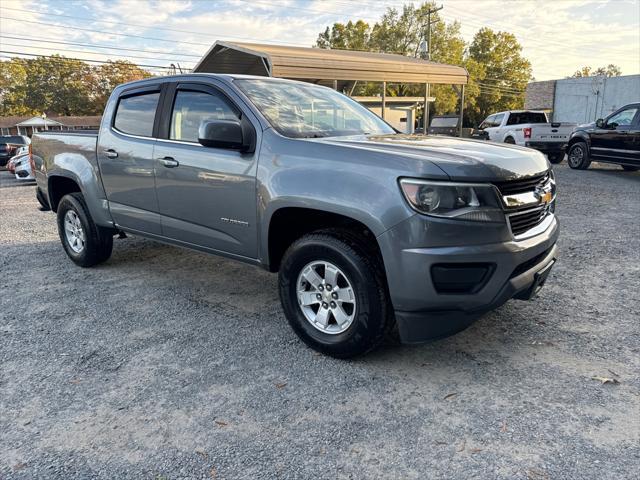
(529, 128)
(369, 230)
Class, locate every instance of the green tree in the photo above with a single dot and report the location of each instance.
(13, 92)
(107, 76)
(610, 70)
(507, 72)
(498, 71)
(349, 36)
(60, 86)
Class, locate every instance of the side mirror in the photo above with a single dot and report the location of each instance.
(600, 123)
(222, 134)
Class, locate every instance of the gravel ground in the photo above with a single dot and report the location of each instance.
(165, 363)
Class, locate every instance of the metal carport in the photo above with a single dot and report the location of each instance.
(337, 68)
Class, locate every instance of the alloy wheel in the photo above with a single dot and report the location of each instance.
(576, 156)
(73, 231)
(326, 297)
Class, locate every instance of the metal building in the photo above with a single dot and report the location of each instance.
(339, 69)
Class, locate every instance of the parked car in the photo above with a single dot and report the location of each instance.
(8, 146)
(529, 128)
(19, 152)
(367, 228)
(447, 125)
(22, 167)
(615, 139)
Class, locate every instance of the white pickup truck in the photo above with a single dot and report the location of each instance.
(529, 128)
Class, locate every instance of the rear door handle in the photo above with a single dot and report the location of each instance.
(111, 153)
(169, 162)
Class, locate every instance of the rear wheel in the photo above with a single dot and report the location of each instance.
(555, 157)
(510, 140)
(629, 168)
(86, 243)
(334, 294)
(578, 156)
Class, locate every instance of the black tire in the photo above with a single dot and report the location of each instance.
(98, 240)
(629, 168)
(373, 317)
(555, 157)
(42, 200)
(510, 140)
(578, 156)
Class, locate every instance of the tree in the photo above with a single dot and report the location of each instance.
(499, 73)
(61, 86)
(610, 70)
(507, 72)
(107, 76)
(352, 36)
(13, 93)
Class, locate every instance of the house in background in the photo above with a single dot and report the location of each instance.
(583, 99)
(28, 125)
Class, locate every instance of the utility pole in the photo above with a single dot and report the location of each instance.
(427, 92)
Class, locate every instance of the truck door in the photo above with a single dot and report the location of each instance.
(614, 140)
(206, 195)
(125, 157)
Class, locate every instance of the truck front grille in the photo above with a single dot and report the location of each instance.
(511, 187)
(525, 220)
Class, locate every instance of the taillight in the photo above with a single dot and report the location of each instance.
(527, 132)
(31, 162)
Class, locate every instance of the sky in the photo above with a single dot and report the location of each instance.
(558, 36)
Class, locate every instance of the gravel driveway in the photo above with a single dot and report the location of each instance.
(165, 363)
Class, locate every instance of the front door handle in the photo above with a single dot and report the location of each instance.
(169, 162)
(111, 153)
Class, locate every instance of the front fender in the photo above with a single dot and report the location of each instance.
(374, 201)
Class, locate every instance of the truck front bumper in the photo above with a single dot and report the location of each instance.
(545, 147)
(437, 291)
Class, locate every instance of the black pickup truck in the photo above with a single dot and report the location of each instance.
(615, 139)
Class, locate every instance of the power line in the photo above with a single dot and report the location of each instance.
(84, 51)
(107, 33)
(82, 60)
(94, 20)
(111, 47)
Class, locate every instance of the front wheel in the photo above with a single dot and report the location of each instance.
(578, 156)
(555, 157)
(334, 295)
(86, 243)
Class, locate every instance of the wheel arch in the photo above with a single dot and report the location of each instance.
(60, 185)
(288, 223)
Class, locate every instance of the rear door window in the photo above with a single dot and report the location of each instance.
(135, 114)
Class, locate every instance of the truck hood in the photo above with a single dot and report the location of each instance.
(460, 159)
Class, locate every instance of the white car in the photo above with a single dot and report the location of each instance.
(22, 165)
(529, 128)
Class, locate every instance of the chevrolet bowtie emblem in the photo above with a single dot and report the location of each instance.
(543, 194)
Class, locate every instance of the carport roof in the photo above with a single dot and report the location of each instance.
(321, 65)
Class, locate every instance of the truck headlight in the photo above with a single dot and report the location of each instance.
(462, 201)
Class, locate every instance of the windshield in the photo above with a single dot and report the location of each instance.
(444, 122)
(15, 139)
(306, 111)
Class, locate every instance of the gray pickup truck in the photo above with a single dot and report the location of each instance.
(369, 230)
